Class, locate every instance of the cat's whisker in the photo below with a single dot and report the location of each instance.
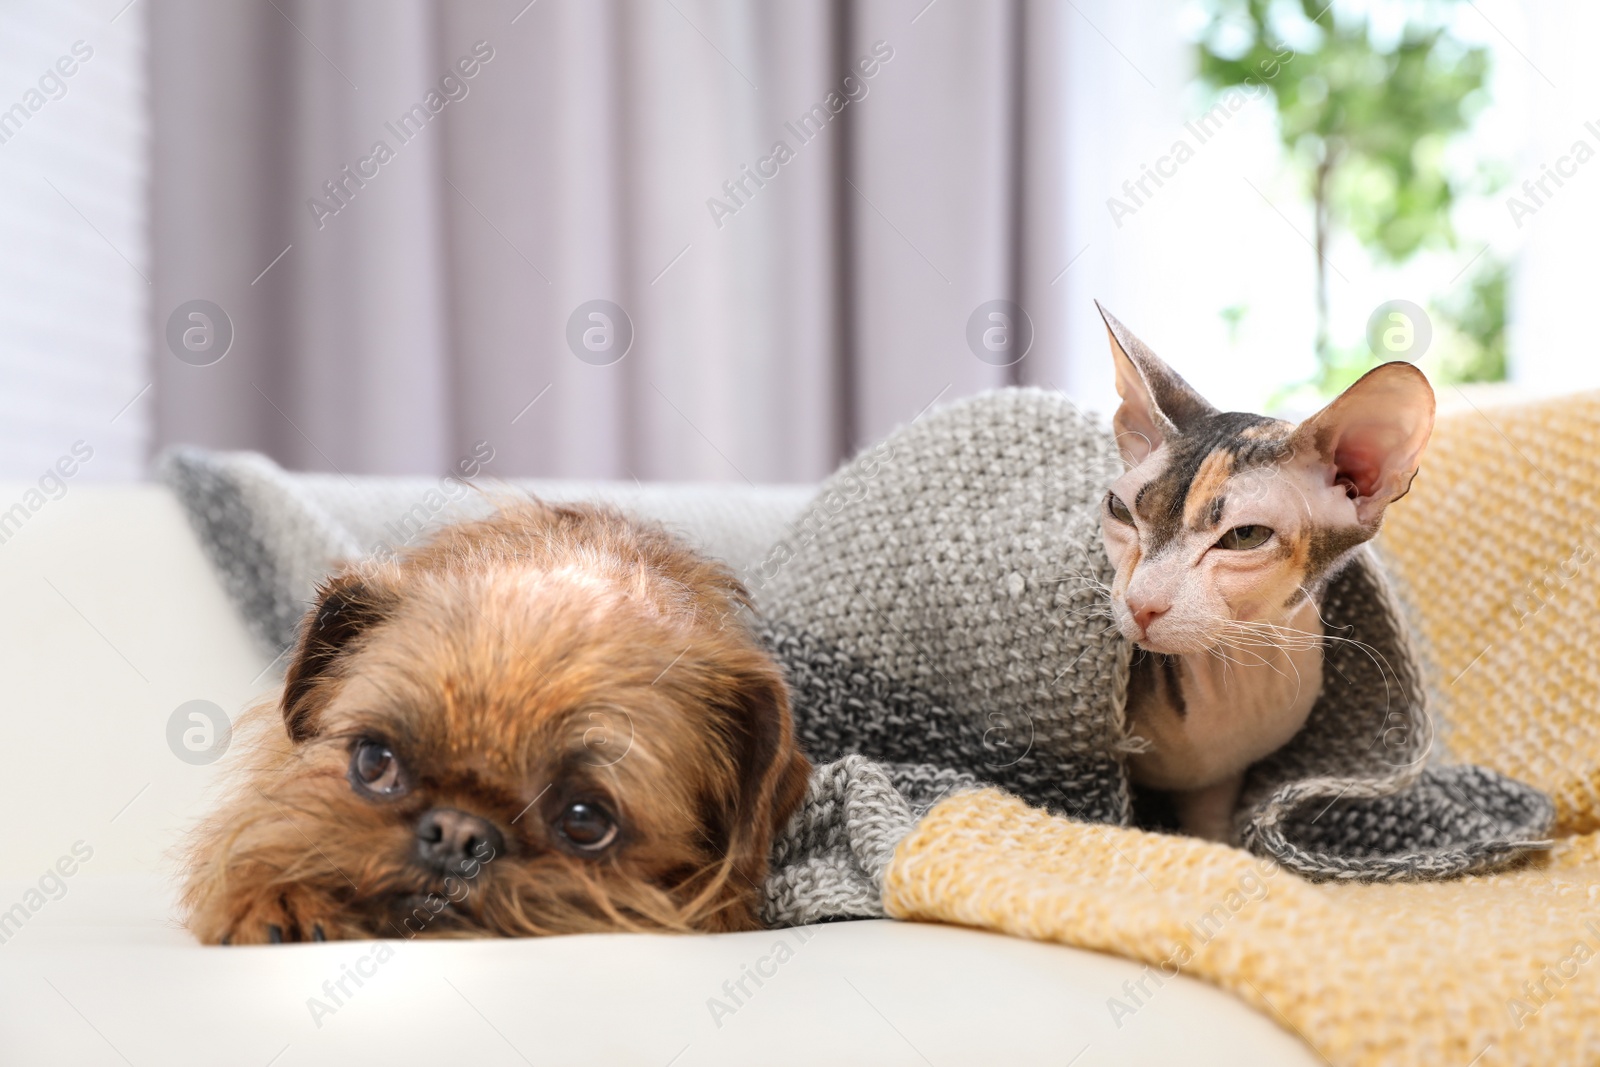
(1286, 638)
(1253, 648)
(1227, 672)
(1274, 668)
(1261, 639)
(1232, 641)
(1299, 680)
(1378, 660)
(1326, 626)
(1088, 579)
(1220, 652)
(1316, 607)
(1095, 585)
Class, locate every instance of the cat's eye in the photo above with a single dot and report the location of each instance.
(374, 768)
(587, 825)
(1245, 537)
(1118, 509)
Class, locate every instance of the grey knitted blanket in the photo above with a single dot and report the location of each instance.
(941, 607)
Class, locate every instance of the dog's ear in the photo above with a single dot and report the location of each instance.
(347, 605)
(773, 772)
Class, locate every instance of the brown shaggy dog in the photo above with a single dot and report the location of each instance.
(549, 721)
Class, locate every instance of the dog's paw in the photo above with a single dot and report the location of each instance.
(274, 916)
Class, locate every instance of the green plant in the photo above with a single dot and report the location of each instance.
(1365, 114)
(1479, 316)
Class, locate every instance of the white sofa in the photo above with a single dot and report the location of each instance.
(113, 619)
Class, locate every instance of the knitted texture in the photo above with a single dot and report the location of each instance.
(946, 601)
(829, 862)
(1487, 970)
(1495, 552)
(272, 535)
(269, 541)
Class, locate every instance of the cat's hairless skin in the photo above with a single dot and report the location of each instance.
(1224, 531)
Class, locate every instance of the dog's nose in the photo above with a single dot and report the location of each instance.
(447, 839)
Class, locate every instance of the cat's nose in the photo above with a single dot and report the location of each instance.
(1145, 612)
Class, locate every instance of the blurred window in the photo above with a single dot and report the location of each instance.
(74, 270)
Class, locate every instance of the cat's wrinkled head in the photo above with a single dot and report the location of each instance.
(1223, 517)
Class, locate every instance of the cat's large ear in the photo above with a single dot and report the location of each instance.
(1156, 402)
(1373, 434)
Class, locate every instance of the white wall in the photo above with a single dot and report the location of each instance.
(74, 294)
(1553, 338)
(1203, 240)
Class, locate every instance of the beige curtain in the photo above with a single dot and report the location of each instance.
(799, 209)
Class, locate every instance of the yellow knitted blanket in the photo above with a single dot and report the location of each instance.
(1493, 553)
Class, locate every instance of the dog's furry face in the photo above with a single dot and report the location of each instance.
(553, 720)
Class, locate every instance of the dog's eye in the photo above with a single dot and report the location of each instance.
(374, 767)
(588, 826)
